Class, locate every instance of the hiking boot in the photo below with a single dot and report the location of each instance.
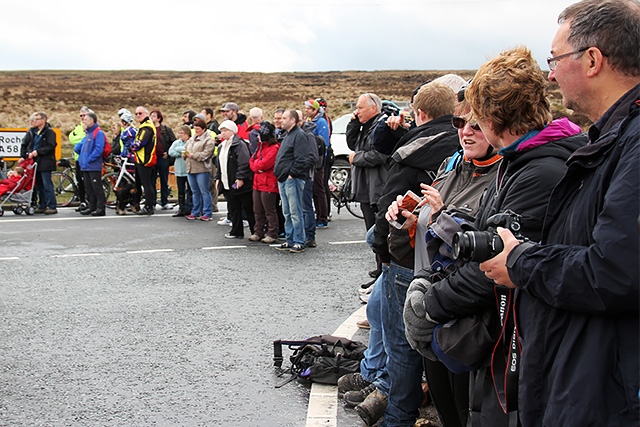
(254, 238)
(98, 213)
(41, 211)
(372, 409)
(311, 244)
(356, 397)
(50, 211)
(296, 248)
(351, 382)
(269, 240)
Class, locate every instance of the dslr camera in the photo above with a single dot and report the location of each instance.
(480, 246)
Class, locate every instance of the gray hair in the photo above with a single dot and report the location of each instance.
(146, 111)
(86, 109)
(613, 26)
(373, 100)
(40, 114)
(255, 113)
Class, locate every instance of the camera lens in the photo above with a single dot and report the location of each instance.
(476, 246)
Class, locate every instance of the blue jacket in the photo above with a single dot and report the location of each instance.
(322, 128)
(580, 289)
(90, 149)
(176, 149)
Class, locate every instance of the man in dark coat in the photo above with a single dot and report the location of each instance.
(579, 289)
(39, 144)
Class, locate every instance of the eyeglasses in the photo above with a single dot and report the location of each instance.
(139, 114)
(459, 123)
(82, 115)
(554, 61)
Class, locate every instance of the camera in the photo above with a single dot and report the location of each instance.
(480, 246)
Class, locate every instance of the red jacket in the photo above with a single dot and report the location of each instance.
(262, 163)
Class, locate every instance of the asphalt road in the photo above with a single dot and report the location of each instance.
(159, 321)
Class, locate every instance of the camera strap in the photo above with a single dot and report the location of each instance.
(505, 358)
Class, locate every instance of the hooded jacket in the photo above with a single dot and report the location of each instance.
(262, 163)
(579, 299)
(415, 160)
(90, 149)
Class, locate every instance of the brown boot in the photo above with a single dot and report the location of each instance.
(372, 409)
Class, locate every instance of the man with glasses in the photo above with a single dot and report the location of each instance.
(39, 144)
(75, 137)
(144, 151)
(579, 289)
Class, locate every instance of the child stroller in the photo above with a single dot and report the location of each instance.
(22, 194)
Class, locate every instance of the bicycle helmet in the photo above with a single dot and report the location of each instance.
(127, 117)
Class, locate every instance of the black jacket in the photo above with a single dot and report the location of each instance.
(579, 310)
(416, 160)
(293, 156)
(369, 170)
(237, 167)
(46, 148)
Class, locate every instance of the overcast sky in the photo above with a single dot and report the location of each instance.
(279, 35)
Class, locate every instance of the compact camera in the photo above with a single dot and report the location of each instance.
(480, 246)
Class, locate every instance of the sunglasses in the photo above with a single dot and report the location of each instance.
(459, 123)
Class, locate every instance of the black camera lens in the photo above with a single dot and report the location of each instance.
(476, 246)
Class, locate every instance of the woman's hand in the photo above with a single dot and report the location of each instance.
(395, 209)
(239, 183)
(433, 197)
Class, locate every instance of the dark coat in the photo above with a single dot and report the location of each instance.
(237, 167)
(293, 156)
(369, 170)
(416, 160)
(46, 148)
(579, 310)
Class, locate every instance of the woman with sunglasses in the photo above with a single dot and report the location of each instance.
(459, 184)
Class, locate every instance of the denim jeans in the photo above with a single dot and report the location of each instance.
(373, 365)
(307, 207)
(199, 184)
(44, 189)
(404, 365)
(291, 193)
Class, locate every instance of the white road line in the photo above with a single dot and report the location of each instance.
(9, 258)
(348, 242)
(75, 255)
(214, 248)
(149, 251)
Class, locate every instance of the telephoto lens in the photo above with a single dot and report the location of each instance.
(476, 246)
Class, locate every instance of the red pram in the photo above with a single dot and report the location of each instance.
(22, 193)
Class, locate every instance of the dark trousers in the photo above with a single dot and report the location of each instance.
(162, 172)
(235, 205)
(264, 207)
(320, 196)
(369, 213)
(184, 192)
(94, 189)
(144, 179)
(79, 177)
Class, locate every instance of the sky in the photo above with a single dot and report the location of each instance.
(271, 36)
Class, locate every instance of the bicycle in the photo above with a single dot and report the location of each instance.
(65, 183)
(112, 181)
(342, 198)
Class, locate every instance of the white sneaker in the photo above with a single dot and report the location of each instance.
(224, 221)
(166, 207)
(245, 223)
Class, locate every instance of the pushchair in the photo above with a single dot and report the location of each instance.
(22, 193)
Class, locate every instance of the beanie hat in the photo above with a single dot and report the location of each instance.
(312, 103)
(228, 124)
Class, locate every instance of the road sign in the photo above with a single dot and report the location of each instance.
(11, 140)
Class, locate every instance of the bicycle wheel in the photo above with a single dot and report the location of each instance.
(108, 183)
(346, 197)
(64, 188)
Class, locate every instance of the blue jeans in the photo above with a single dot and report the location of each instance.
(404, 365)
(291, 194)
(199, 184)
(373, 365)
(44, 189)
(307, 207)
